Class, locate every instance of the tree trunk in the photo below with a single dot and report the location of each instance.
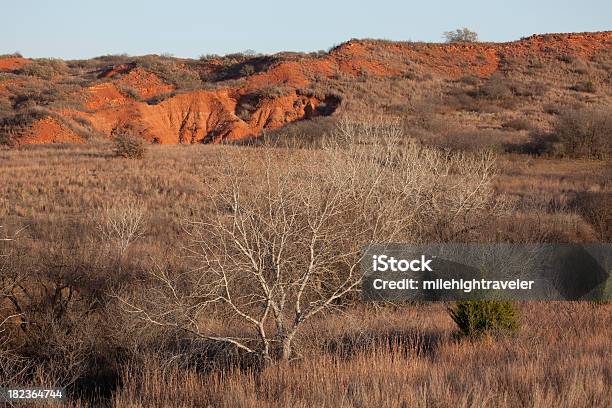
(286, 352)
(287, 347)
(266, 360)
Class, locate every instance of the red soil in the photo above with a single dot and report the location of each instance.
(12, 63)
(49, 130)
(104, 95)
(202, 116)
(145, 83)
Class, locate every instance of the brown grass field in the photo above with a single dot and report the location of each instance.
(358, 355)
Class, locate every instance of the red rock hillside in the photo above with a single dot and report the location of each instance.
(218, 99)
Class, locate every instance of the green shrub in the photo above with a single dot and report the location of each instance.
(461, 35)
(476, 318)
(129, 146)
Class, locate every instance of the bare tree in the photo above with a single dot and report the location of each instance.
(12, 367)
(9, 281)
(277, 253)
(461, 35)
(121, 224)
(43, 337)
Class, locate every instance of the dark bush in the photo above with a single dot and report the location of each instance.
(469, 80)
(11, 127)
(517, 124)
(596, 209)
(101, 62)
(234, 66)
(540, 143)
(533, 88)
(477, 318)
(584, 133)
(129, 146)
(464, 140)
(496, 87)
(461, 100)
(154, 100)
(577, 133)
(272, 91)
(247, 70)
(552, 108)
(585, 86)
(567, 58)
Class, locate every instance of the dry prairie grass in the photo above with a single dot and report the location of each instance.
(362, 355)
(561, 358)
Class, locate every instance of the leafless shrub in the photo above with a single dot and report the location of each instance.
(121, 224)
(60, 350)
(12, 366)
(496, 87)
(596, 208)
(576, 133)
(584, 133)
(276, 254)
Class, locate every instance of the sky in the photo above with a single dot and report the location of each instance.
(72, 29)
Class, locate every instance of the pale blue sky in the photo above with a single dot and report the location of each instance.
(189, 28)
